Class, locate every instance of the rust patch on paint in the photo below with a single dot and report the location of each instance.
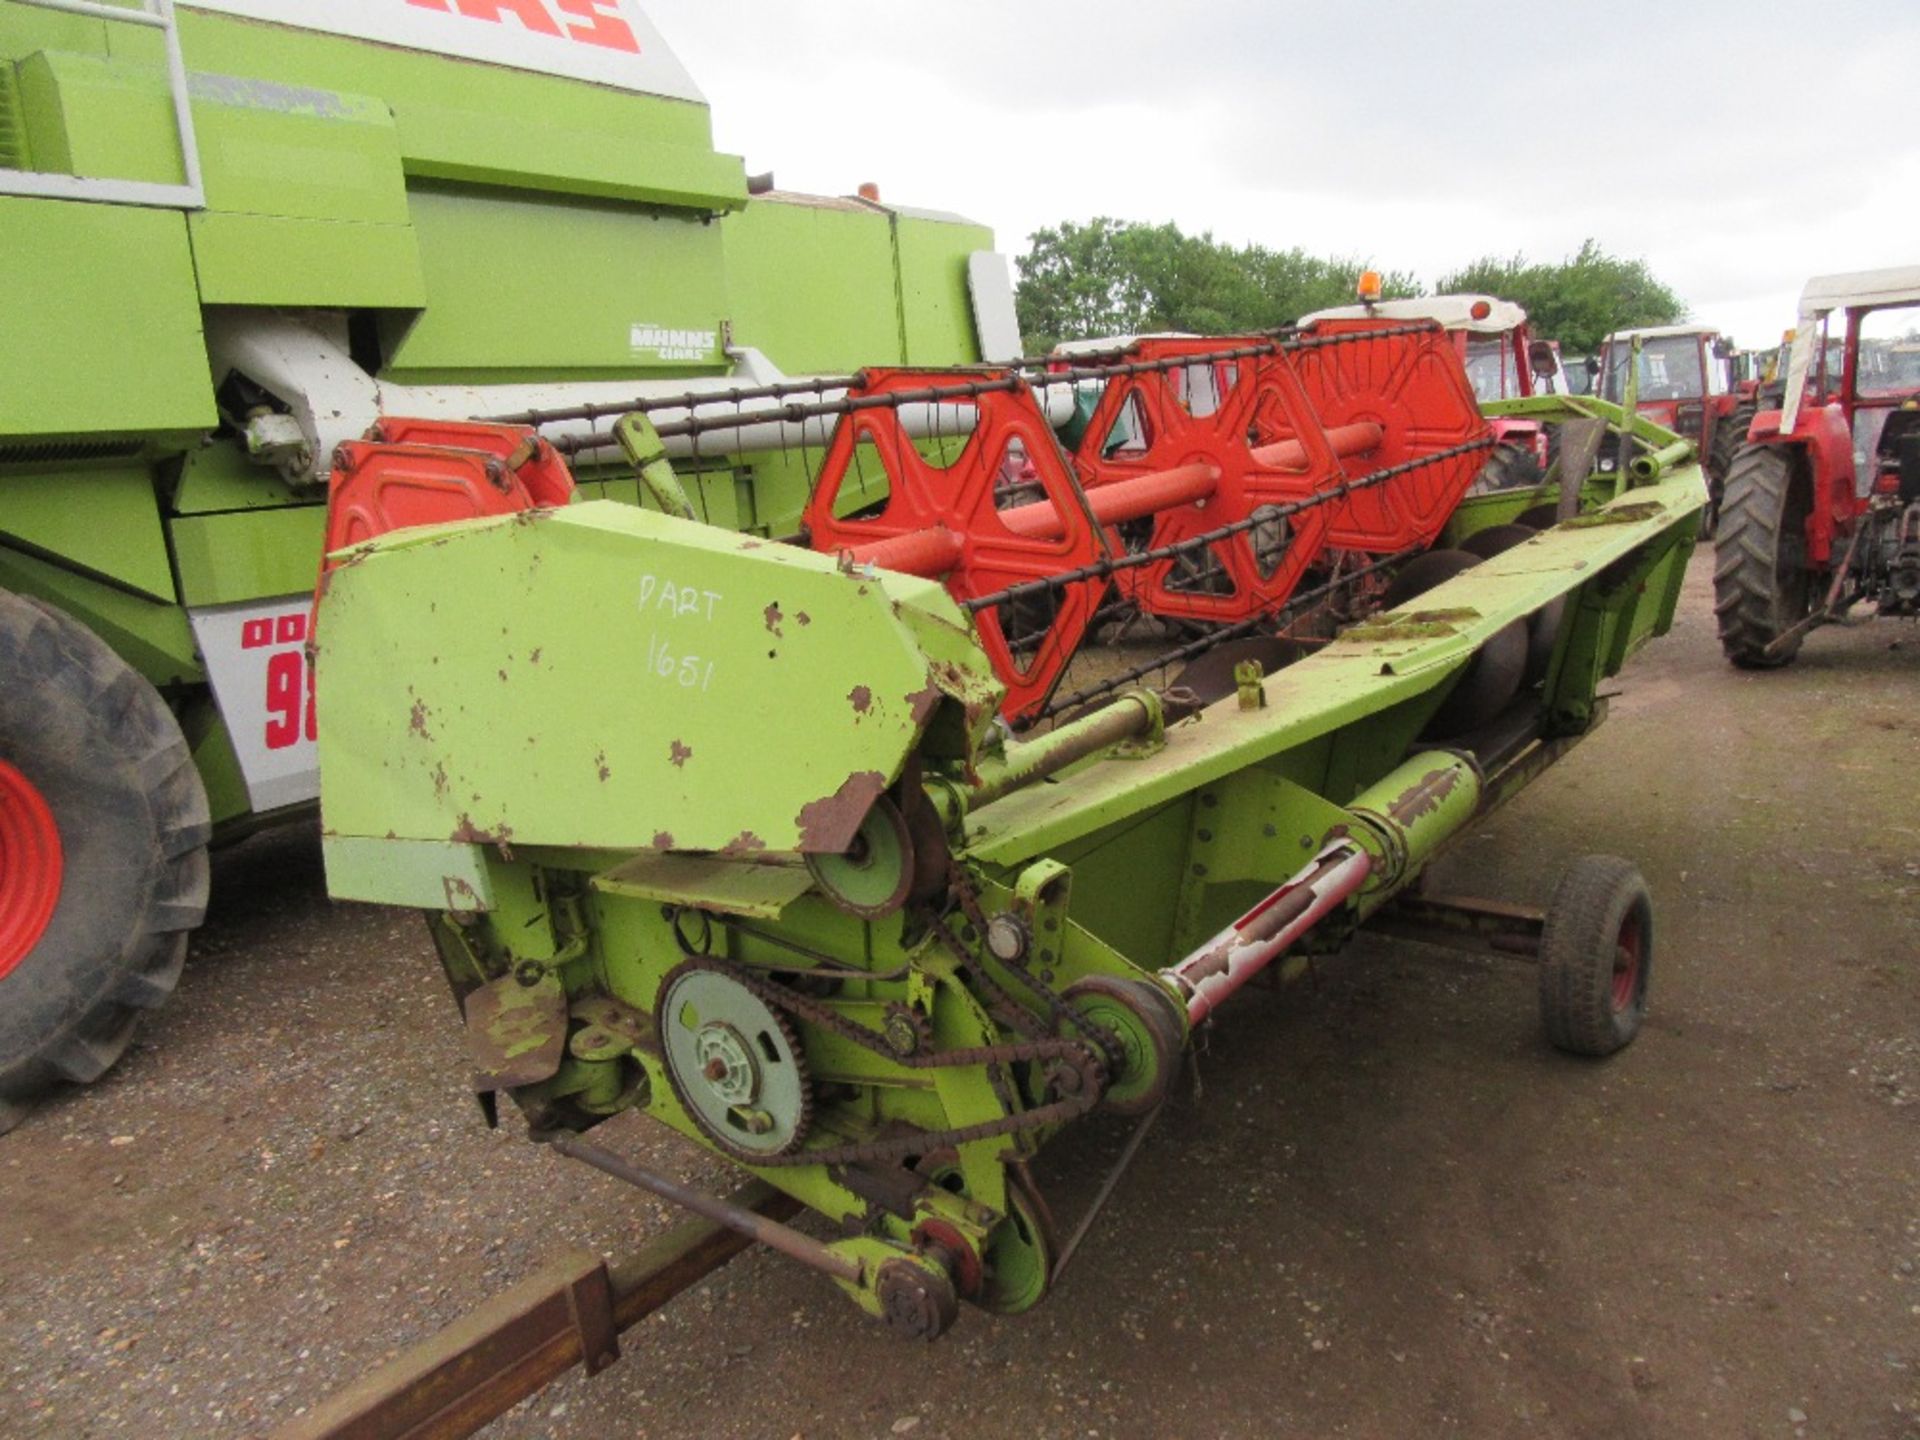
(663, 839)
(774, 617)
(921, 703)
(1424, 796)
(533, 655)
(460, 894)
(680, 754)
(803, 617)
(861, 698)
(465, 832)
(745, 843)
(417, 720)
(601, 766)
(440, 781)
(828, 825)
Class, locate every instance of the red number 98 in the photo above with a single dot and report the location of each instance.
(286, 698)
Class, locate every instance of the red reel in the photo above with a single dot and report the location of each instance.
(1413, 388)
(1199, 419)
(990, 503)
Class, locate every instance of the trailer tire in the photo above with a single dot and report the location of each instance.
(122, 825)
(1596, 957)
(1761, 586)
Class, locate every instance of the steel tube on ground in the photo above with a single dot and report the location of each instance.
(771, 1233)
(1217, 969)
(1354, 439)
(1125, 718)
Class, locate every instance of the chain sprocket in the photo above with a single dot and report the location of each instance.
(1083, 1058)
(731, 1060)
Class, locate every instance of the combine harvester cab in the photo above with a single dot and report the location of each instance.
(237, 233)
(1822, 505)
(754, 851)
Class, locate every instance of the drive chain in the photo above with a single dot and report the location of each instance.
(1038, 1051)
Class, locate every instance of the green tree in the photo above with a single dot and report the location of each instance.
(1114, 277)
(1578, 300)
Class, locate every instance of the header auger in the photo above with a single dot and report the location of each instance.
(731, 831)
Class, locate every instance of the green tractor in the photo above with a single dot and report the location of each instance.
(238, 232)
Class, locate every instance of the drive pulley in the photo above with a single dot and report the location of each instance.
(875, 874)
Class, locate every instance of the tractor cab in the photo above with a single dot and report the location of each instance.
(1856, 355)
(1823, 503)
(1685, 382)
(1681, 367)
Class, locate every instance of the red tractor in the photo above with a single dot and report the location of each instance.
(1685, 384)
(1822, 504)
(1503, 363)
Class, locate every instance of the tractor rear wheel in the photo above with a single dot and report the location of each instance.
(1596, 957)
(1509, 467)
(1729, 434)
(103, 852)
(1761, 585)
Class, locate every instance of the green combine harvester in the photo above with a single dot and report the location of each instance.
(235, 233)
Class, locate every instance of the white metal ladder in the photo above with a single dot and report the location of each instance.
(153, 15)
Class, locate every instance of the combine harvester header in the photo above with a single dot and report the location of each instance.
(756, 852)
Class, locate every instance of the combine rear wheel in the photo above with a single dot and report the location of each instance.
(1596, 957)
(103, 852)
(1761, 587)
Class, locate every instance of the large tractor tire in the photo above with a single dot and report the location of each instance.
(103, 852)
(1508, 467)
(1761, 584)
(1729, 434)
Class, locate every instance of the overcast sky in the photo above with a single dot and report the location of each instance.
(1737, 148)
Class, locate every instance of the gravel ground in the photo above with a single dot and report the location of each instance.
(1383, 1208)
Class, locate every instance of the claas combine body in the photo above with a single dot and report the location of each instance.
(236, 233)
(872, 856)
